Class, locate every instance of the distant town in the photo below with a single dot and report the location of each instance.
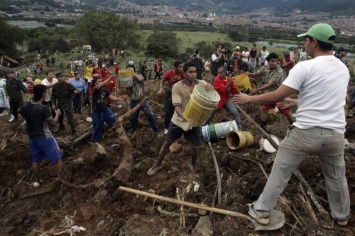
(266, 17)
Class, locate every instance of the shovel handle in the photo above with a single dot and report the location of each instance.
(184, 203)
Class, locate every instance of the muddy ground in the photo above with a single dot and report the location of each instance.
(53, 207)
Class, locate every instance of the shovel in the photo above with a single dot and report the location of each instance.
(277, 218)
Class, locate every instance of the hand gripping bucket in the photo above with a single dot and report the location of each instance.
(218, 131)
(125, 78)
(239, 139)
(201, 104)
(243, 83)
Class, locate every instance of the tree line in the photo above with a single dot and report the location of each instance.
(105, 30)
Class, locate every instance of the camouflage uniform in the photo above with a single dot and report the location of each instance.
(13, 90)
(62, 98)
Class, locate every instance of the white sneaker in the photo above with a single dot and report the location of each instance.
(165, 131)
(12, 118)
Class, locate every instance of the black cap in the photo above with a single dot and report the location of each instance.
(344, 48)
(59, 74)
(9, 72)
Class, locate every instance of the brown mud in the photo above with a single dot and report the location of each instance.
(53, 207)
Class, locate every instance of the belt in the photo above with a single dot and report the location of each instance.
(320, 130)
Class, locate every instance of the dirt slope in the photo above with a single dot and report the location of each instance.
(57, 206)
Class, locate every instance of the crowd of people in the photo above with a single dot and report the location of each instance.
(314, 74)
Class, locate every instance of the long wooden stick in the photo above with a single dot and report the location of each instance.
(184, 203)
(267, 136)
(219, 182)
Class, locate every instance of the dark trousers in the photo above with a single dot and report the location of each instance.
(14, 106)
(69, 114)
(87, 99)
(49, 105)
(148, 113)
(77, 102)
(169, 109)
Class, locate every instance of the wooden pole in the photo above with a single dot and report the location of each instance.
(219, 182)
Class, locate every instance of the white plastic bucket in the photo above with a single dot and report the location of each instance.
(218, 131)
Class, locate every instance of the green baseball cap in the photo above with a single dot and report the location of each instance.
(322, 32)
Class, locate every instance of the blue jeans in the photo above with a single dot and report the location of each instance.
(98, 119)
(148, 113)
(230, 109)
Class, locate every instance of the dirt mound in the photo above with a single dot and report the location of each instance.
(87, 197)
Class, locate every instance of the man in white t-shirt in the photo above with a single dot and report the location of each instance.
(262, 56)
(49, 82)
(319, 128)
(245, 54)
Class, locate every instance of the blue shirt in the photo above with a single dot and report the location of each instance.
(78, 84)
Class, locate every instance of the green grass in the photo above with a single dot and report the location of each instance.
(187, 39)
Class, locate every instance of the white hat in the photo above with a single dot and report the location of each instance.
(131, 63)
(237, 48)
(103, 65)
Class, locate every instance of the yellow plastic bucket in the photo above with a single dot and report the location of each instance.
(239, 139)
(201, 104)
(243, 83)
(125, 78)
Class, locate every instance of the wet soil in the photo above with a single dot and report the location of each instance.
(53, 207)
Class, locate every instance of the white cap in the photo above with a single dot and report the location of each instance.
(103, 65)
(237, 48)
(131, 63)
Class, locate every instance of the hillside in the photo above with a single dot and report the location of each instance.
(238, 6)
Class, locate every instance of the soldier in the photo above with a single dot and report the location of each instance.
(13, 91)
(61, 99)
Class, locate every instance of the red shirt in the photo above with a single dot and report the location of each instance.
(220, 86)
(104, 72)
(172, 78)
(289, 67)
(117, 68)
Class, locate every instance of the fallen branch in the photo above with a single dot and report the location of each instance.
(218, 175)
(310, 192)
(36, 194)
(75, 186)
(3, 144)
(131, 111)
(83, 136)
(243, 158)
(308, 205)
(155, 102)
(175, 214)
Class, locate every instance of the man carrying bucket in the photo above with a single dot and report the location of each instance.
(273, 75)
(224, 86)
(181, 95)
(319, 127)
